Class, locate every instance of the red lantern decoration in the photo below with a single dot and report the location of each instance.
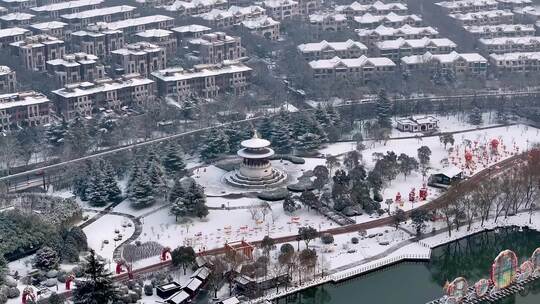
(165, 253)
(69, 279)
(494, 144)
(468, 156)
(398, 197)
(423, 193)
(28, 293)
(412, 195)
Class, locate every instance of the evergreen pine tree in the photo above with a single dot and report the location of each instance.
(308, 142)
(97, 286)
(265, 128)
(77, 138)
(475, 117)
(114, 193)
(56, 133)
(156, 177)
(216, 143)
(96, 191)
(236, 134)
(383, 108)
(141, 192)
(177, 191)
(173, 161)
(321, 116)
(333, 116)
(281, 140)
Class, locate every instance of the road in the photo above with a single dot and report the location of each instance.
(448, 98)
(386, 221)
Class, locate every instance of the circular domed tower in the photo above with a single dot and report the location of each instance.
(255, 171)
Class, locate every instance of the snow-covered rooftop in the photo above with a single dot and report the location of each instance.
(415, 43)
(203, 70)
(48, 25)
(482, 15)
(65, 5)
(279, 3)
(337, 46)
(515, 56)
(4, 70)
(261, 22)
(233, 11)
(122, 24)
(17, 16)
(443, 58)
(179, 297)
(184, 5)
(506, 28)
(376, 6)
(100, 12)
(89, 88)
(14, 31)
(526, 40)
(138, 48)
(74, 59)
(22, 99)
(368, 18)
(192, 28)
(466, 3)
(351, 63)
(321, 17)
(154, 33)
(406, 29)
(193, 284)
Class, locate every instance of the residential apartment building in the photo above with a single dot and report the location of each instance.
(8, 80)
(76, 67)
(97, 40)
(187, 32)
(369, 21)
(383, 33)
(484, 18)
(196, 7)
(163, 38)
(52, 28)
(18, 5)
(395, 49)
(16, 19)
(308, 7)
(361, 69)
(281, 9)
(376, 8)
(35, 51)
(85, 98)
(216, 47)
(516, 62)
(328, 22)
(23, 109)
(263, 26)
(328, 50)
(80, 20)
(513, 4)
(134, 25)
(467, 6)
(501, 45)
(502, 30)
(141, 58)
(10, 35)
(456, 63)
(54, 10)
(205, 80)
(234, 15)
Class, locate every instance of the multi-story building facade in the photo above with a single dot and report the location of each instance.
(24, 109)
(188, 32)
(80, 20)
(383, 33)
(361, 69)
(204, 80)
(141, 58)
(8, 80)
(328, 50)
(395, 49)
(163, 38)
(369, 21)
(18, 5)
(76, 67)
(376, 8)
(513, 4)
(85, 98)
(456, 63)
(35, 51)
(52, 28)
(134, 25)
(54, 10)
(328, 22)
(493, 17)
(502, 30)
(16, 19)
(10, 35)
(515, 62)
(263, 26)
(234, 15)
(501, 45)
(281, 9)
(97, 40)
(308, 7)
(196, 7)
(467, 6)
(216, 47)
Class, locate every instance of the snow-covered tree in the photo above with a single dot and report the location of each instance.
(215, 144)
(97, 286)
(46, 259)
(173, 160)
(96, 190)
(475, 117)
(424, 153)
(309, 142)
(289, 205)
(236, 134)
(384, 108)
(281, 140)
(407, 164)
(77, 139)
(321, 116)
(140, 191)
(110, 182)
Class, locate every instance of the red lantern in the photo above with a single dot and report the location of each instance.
(398, 197)
(494, 144)
(28, 293)
(69, 279)
(468, 156)
(165, 253)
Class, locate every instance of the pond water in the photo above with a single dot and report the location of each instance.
(417, 283)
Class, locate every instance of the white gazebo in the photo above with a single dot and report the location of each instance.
(255, 171)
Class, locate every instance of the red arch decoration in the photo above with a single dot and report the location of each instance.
(28, 294)
(165, 253)
(69, 279)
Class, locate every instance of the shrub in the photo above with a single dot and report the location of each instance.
(13, 292)
(354, 240)
(148, 290)
(3, 298)
(327, 238)
(275, 195)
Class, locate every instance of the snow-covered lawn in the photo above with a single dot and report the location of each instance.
(104, 229)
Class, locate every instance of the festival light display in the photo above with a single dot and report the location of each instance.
(504, 269)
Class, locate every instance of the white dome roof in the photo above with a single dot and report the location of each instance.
(255, 142)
